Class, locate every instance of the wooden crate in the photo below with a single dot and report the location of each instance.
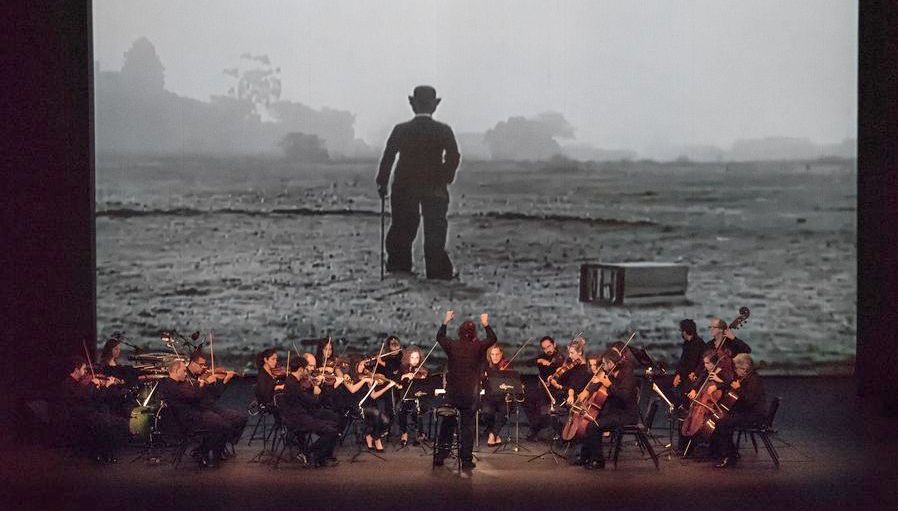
(633, 282)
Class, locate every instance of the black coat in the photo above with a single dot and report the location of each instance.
(752, 399)
(428, 155)
(691, 358)
(466, 360)
(732, 347)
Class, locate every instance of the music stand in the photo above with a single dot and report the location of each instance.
(555, 414)
(507, 386)
(652, 371)
(419, 389)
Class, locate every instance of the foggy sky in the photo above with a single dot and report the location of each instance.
(627, 75)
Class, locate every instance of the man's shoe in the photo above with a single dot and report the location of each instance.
(596, 465)
(468, 465)
(727, 462)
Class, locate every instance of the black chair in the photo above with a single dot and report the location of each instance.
(763, 431)
(640, 432)
(264, 415)
(442, 414)
(299, 439)
(185, 435)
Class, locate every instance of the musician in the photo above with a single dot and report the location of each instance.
(193, 411)
(690, 361)
(391, 366)
(299, 409)
(324, 353)
(86, 420)
(573, 376)
(620, 407)
(536, 404)
(108, 363)
(749, 410)
(368, 390)
(717, 374)
(723, 339)
(410, 409)
(267, 381)
(212, 386)
(327, 382)
(493, 406)
(465, 365)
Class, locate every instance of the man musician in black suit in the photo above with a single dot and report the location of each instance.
(428, 159)
(465, 360)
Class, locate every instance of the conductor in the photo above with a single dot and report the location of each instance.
(465, 359)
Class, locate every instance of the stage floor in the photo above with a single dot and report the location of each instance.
(836, 451)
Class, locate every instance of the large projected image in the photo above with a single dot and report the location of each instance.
(238, 145)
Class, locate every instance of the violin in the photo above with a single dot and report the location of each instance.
(379, 378)
(102, 380)
(563, 368)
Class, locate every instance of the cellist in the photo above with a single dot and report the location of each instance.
(615, 375)
(717, 374)
(749, 409)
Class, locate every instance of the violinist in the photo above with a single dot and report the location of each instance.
(716, 375)
(86, 421)
(536, 403)
(368, 390)
(301, 414)
(620, 408)
(269, 375)
(108, 363)
(724, 340)
(571, 377)
(212, 386)
(327, 383)
(690, 362)
(410, 410)
(465, 366)
(492, 407)
(749, 409)
(193, 411)
(391, 366)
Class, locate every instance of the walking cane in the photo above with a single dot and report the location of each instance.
(383, 202)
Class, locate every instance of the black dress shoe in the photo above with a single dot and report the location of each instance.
(378, 450)
(596, 465)
(468, 465)
(727, 462)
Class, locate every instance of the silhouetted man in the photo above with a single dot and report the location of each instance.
(428, 159)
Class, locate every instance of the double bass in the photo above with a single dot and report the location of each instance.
(707, 408)
(589, 403)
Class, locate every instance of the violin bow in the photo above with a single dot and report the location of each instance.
(90, 364)
(405, 394)
(211, 351)
(516, 353)
(373, 372)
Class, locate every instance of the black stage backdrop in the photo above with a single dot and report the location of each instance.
(48, 258)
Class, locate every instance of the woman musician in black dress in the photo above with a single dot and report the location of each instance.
(367, 390)
(493, 406)
(410, 411)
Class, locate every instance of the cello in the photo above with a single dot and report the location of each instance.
(589, 403)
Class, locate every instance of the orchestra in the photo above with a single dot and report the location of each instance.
(591, 392)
